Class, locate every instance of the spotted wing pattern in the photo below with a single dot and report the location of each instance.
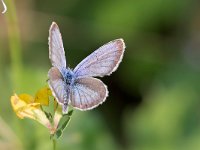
(103, 61)
(56, 49)
(88, 93)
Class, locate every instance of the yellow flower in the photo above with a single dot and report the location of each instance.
(26, 106)
(42, 96)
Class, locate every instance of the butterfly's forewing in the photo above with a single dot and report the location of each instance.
(57, 85)
(56, 49)
(103, 61)
(88, 93)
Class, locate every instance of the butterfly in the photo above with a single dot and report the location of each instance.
(78, 87)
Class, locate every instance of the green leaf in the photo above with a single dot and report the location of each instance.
(64, 121)
(70, 113)
(49, 116)
(57, 134)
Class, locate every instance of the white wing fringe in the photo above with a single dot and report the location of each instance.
(4, 6)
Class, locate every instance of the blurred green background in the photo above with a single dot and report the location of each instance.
(154, 96)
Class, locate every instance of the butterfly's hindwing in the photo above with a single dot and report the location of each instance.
(57, 85)
(103, 61)
(88, 93)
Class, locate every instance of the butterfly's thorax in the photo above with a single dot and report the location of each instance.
(68, 76)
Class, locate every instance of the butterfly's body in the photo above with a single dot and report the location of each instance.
(68, 76)
(78, 87)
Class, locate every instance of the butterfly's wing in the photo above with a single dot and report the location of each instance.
(58, 86)
(88, 93)
(56, 49)
(103, 61)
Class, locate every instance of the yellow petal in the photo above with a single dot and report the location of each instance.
(31, 110)
(28, 113)
(57, 117)
(17, 103)
(42, 96)
(26, 98)
(21, 108)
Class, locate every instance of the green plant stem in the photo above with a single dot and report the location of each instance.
(14, 44)
(54, 144)
(15, 54)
